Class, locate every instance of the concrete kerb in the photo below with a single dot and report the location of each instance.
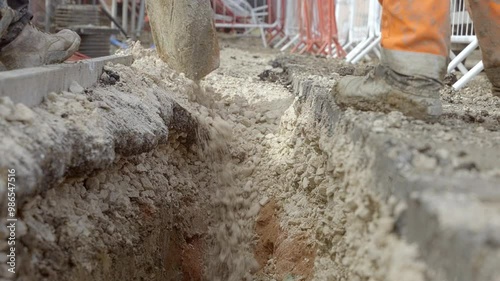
(457, 232)
(31, 85)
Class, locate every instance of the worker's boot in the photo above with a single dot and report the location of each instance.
(385, 90)
(33, 47)
(486, 17)
(415, 41)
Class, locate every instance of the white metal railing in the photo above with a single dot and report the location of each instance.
(463, 33)
(132, 25)
(369, 37)
(292, 25)
(310, 26)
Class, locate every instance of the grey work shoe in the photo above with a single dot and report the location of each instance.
(34, 48)
(385, 90)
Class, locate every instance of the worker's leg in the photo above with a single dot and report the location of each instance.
(486, 17)
(22, 45)
(415, 41)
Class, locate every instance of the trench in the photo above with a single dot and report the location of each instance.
(260, 195)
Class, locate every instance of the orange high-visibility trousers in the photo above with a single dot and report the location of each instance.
(424, 27)
(416, 26)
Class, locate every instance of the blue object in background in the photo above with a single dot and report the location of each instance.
(121, 45)
(117, 43)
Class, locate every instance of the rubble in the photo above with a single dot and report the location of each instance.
(156, 177)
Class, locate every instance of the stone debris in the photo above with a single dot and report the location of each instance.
(75, 88)
(21, 113)
(264, 190)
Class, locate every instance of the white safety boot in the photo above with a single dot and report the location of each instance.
(33, 47)
(406, 85)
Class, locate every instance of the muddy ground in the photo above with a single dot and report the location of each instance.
(257, 195)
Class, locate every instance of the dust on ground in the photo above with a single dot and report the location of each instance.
(259, 197)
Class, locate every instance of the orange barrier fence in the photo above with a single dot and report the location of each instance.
(318, 28)
(310, 22)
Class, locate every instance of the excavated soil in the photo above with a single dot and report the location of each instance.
(258, 196)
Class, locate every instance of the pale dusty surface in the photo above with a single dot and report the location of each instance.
(188, 212)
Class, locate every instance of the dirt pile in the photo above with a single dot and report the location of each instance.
(259, 193)
(143, 214)
(413, 161)
(322, 189)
